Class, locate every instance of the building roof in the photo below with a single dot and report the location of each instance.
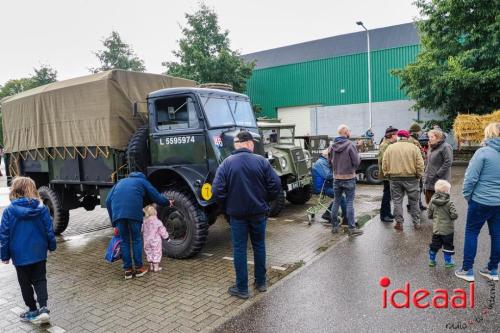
(381, 38)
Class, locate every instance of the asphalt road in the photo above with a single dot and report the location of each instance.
(340, 292)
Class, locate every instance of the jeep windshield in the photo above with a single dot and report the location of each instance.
(222, 112)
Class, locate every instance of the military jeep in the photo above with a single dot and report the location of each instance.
(291, 163)
(77, 138)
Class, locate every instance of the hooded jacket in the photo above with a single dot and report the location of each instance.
(443, 213)
(26, 232)
(244, 183)
(482, 177)
(322, 177)
(125, 200)
(345, 158)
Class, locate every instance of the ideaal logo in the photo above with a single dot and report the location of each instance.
(423, 298)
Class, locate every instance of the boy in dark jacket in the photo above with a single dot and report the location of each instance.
(443, 213)
(26, 234)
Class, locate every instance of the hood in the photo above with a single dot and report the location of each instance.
(494, 143)
(340, 144)
(27, 207)
(441, 199)
(137, 175)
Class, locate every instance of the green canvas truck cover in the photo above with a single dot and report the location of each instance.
(92, 110)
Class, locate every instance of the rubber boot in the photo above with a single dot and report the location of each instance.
(448, 260)
(432, 258)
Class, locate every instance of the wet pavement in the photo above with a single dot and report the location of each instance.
(86, 294)
(340, 292)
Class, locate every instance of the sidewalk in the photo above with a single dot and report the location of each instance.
(340, 292)
(86, 294)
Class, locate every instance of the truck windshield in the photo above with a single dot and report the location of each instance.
(286, 135)
(222, 112)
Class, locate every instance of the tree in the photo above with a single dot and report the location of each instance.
(117, 55)
(43, 75)
(458, 68)
(205, 55)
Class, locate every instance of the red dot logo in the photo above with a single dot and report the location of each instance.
(385, 282)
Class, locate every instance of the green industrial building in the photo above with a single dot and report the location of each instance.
(323, 83)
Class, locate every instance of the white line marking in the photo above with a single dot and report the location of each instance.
(279, 268)
(227, 258)
(207, 254)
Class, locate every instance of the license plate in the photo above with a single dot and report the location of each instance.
(299, 183)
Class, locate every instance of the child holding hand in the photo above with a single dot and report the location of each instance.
(153, 232)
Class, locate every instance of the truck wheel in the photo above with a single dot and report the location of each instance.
(299, 196)
(277, 204)
(371, 174)
(137, 150)
(186, 223)
(60, 217)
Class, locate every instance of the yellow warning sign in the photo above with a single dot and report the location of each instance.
(206, 191)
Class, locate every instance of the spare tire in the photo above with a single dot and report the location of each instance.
(138, 150)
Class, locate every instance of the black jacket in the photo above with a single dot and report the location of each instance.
(244, 183)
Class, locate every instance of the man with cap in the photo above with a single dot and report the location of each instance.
(244, 184)
(385, 207)
(403, 164)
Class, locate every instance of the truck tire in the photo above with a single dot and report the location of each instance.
(60, 217)
(186, 223)
(299, 196)
(371, 174)
(276, 206)
(137, 150)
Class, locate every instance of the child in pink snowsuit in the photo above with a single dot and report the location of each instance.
(153, 232)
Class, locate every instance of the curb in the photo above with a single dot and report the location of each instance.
(241, 308)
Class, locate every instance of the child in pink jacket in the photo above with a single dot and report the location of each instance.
(153, 232)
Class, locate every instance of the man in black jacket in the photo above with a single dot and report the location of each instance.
(244, 184)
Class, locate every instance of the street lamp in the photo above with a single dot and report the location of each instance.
(369, 71)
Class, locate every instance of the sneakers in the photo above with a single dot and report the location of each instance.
(465, 275)
(43, 316)
(448, 260)
(398, 226)
(335, 230)
(261, 288)
(491, 274)
(28, 315)
(141, 271)
(355, 232)
(129, 273)
(432, 258)
(386, 219)
(233, 291)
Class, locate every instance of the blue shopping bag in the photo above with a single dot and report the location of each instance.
(113, 252)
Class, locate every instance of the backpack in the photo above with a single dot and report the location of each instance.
(113, 252)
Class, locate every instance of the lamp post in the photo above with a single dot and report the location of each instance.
(369, 72)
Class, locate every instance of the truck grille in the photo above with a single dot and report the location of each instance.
(299, 161)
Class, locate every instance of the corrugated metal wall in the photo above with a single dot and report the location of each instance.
(333, 81)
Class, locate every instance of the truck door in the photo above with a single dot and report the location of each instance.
(177, 135)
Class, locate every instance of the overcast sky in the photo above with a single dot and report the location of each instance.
(63, 33)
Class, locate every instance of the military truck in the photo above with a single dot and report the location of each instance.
(368, 168)
(291, 163)
(77, 138)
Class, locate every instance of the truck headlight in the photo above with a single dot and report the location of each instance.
(283, 163)
(307, 155)
(269, 154)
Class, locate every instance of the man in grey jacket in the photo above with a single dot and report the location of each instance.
(345, 161)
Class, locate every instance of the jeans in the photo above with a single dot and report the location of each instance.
(477, 215)
(343, 205)
(398, 190)
(240, 229)
(341, 187)
(385, 207)
(130, 229)
(31, 277)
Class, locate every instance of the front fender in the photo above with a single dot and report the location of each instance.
(194, 179)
